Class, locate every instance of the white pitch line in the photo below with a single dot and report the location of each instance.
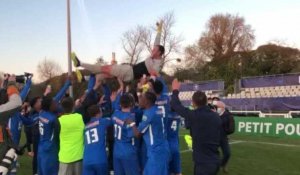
(270, 143)
(231, 143)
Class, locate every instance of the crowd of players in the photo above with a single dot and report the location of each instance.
(129, 131)
(138, 129)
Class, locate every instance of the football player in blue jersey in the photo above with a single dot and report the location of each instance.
(48, 143)
(95, 157)
(152, 129)
(125, 151)
(173, 124)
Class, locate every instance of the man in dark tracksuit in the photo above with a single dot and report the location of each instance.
(206, 126)
(225, 117)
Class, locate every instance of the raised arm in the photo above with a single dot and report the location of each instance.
(176, 104)
(165, 86)
(159, 26)
(24, 92)
(106, 93)
(92, 82)
(116, 96)
(62, 91)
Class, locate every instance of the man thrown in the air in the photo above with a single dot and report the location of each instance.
(126, 72)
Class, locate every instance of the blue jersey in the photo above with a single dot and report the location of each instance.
(138, 114)
(15, 122)
(173, 124)
(152, 126)
(48, 124)
(124, 146)
(15, 127)
(94, 141)
(163, 103)
(165, 90)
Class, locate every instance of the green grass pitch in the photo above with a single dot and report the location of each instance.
(251, 155)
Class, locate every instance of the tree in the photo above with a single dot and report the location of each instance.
(101, 61)
(224, 35)
(133, 45)
(275, 59)
(48, 68)
(139, 41)
(194, 57)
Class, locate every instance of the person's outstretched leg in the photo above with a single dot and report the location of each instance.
(95, 68)
(124, 71)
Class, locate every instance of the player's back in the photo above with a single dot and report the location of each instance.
(94, 141)
(163, 100)
(173, 124)
(155, 137)
(124, 138)
(163, 103)
(47, 121)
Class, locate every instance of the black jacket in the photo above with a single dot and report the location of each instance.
(225, 117)
(206, 130)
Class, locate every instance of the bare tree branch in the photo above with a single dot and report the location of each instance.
(48, 68)
(132, 44)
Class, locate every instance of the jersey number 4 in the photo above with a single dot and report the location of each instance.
(92, 136)
(41, 128)
(174, 125)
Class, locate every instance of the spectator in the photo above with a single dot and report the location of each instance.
(206, 127)
(225, 117)
(10, 98)
(9, 104)
(71, 140)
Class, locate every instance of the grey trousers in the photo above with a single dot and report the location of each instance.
(122, 71)
(74, 168)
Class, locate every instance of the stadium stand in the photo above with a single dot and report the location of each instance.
(213, 88)
(265, 93)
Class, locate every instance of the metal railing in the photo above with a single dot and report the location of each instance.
(264, 115)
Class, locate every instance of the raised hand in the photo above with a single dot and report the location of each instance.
(175, 84)
(159, 26)
(48, 90)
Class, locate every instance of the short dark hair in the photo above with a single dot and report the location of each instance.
(157, 86)
(93, 110)
(199, 98)
(126, 101)
(216, 99)
(151, 97)
(33, 101)
(161, 49)
(67, 104)
(133, 93)
(46, 103)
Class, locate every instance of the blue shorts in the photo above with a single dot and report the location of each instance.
(48, 163)
(175, 164)
(95, 169)
(142, 153)
(157, 164)
(126, 167)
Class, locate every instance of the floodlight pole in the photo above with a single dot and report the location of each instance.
(69, 45)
